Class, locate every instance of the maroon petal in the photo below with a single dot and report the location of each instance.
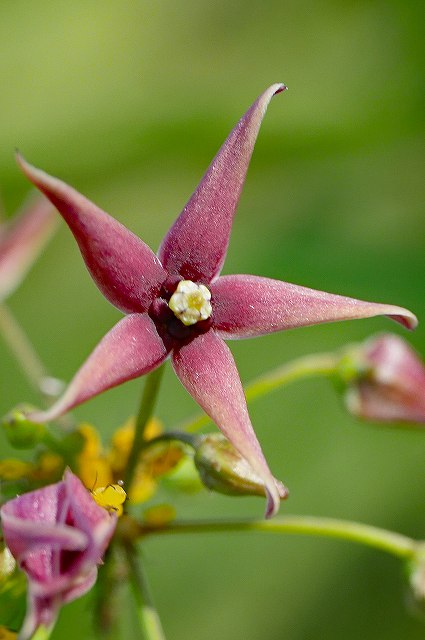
(131, 349)
(22, 241)
(126, 271)
(196, 245)
(206, 368)
(246, 306)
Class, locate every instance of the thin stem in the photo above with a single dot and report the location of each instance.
(147, 405)
(321, 364)
(150, 624)
(25, 354)
(21, 347)
(393, 543)
(42, 633)
(107, 603)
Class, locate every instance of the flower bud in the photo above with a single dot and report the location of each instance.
(223, 469)
(20, 431)
(386, 381)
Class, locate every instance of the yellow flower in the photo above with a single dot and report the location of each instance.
(5, 634)
(92, 465)
(49, 467)
(14, 469)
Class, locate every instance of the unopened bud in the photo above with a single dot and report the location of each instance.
(20, 431)
(384, 380)
(223, 469)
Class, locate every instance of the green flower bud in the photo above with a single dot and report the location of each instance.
(21, 432)
(223, 469)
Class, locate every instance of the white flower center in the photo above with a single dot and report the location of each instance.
(190, 302)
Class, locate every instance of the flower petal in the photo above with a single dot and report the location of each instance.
(89, 517)
(195, 247)
(246, 306)
(131, 349)
(126, 271)
(22, 241)
(30, 523)
(206, 368)
(43, 610)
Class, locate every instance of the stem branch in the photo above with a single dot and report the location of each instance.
(150, 624)
(393, 543)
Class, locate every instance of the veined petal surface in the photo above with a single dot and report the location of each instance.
(195, 247)
(124, 268)
(131, 349)
(207, 369)
(245, 306)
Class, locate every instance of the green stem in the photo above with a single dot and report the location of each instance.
(150, 624)
(393, 543)
(107, 600)
(321, 364)
(147, 405)
(42, 633)
(25, 354)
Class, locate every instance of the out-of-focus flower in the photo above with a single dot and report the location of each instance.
(387, 381)
(6, 634)
(21, 241)
(223, 469)
(177, 303)
(15, 469)
(58, 535)
(97, 466)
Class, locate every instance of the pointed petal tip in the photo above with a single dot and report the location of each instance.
(273, 503)
(404, 317)
(278, 87)
(275, 494)
(27, 169)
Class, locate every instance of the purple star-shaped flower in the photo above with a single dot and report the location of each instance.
(178, 304)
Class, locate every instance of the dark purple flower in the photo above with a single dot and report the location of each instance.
(58, 536)
(391, 384)
(179, 305)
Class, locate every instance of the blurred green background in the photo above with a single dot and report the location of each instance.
(128, 101)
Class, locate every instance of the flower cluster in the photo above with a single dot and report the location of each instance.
(177, 305)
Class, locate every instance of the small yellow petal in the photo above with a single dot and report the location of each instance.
(160, 514)
(14, 469)
(49, 466)
(122, 441)
(143, 486)
(163, 457)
